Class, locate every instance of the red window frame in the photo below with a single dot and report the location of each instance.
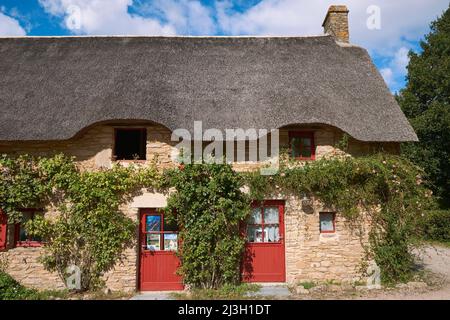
(144, 132)
(28, 242)
(3, 229)
(161, 232)
(303, 134)
(333, 214)
(261, 206)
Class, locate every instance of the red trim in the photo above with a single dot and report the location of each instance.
(3, 228)
(304, 134)
(334, 222)
(265, 261)
(157, 269)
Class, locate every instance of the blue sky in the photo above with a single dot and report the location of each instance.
(388, 29)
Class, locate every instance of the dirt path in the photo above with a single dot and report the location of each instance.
(435, 259)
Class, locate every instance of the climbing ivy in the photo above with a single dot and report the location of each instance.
(90, 231)
(208, 204)
(386, 188)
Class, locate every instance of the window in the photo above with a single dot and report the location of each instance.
(327, 222)
(301, 145)
(130, 144)
(3, 228)
(160, 235)
(22, 239)
(264, 224)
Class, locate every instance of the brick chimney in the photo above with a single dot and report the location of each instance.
(336, 23)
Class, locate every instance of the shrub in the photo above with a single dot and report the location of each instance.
(10, 289)
(209, 206)
(436, 225)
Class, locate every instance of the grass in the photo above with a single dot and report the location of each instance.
(234, 292)
(307, 284)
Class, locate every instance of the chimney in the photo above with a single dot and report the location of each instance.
(336, 23)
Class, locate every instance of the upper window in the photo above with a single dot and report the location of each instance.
(327, 222)
(130, 144)
(22, 238)
(301, 145)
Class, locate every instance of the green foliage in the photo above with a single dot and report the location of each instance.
(209, 206)
(10, 289)
(307, 284)
(90, 231)
(388, 188)
(436, 226)
(426, 102)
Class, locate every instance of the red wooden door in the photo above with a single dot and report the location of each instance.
(158, 262)
(3, 227)
(264, 253)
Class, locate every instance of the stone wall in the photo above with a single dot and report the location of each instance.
(309, 254)
(315, 256)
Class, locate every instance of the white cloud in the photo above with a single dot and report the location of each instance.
(400, 24)
(387, 76)
(10, 26)
(104, 17)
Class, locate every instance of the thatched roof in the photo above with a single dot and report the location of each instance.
(52, 87)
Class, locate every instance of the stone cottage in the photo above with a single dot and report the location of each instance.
(119, 99)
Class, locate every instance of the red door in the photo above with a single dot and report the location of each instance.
(264, 252)
(158, 262)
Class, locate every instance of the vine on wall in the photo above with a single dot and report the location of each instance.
(209, 205)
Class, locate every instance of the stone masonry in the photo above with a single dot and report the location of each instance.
(310, 256)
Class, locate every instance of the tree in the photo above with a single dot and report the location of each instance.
(426, 102)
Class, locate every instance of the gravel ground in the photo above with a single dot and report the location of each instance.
(435, 259)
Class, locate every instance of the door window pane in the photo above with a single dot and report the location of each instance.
(153, 223)
(255, 217)
(272, 233)
(170, 225)
(170, 242)
(271, 215)
(254, 234)
(153, 241)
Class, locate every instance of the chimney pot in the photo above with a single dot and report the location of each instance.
(336, 23)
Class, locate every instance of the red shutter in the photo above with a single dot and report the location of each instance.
(3, 227)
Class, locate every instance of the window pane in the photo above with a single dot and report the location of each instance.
(254, 233)
(170, 242)
(153, 223)
(271, 215)
(170, 225)
(306, 142)
(272, 233)
(306, 152)
(295, 147)
(153, 241)
(326, 222)
(255, 216)
(26, 216)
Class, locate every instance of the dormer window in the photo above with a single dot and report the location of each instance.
(130, 144)
(301, 145)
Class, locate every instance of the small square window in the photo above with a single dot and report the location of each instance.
(301, 145)
(327, 222)
(130, 144)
